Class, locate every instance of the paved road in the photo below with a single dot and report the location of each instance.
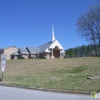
(11, 93)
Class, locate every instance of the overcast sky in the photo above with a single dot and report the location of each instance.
(29, 22)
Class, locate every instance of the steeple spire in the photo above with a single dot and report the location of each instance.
(53, 36)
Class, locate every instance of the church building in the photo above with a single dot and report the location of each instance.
(50, 50)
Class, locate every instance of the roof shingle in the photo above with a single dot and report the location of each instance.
(23, 51)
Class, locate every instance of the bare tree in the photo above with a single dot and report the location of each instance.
(88, 25)
(96, 12)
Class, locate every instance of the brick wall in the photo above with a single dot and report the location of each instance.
(9, 51)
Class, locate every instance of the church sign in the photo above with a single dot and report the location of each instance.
(3, 62)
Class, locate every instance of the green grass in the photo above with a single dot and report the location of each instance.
(62, 74)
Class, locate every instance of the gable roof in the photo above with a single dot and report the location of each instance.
(39, 49)
(42, 48)
(45, 46)
(10, 47)
(23, 51)
(33, 50)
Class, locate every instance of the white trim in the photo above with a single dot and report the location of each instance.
(56, 43)
(47, 50)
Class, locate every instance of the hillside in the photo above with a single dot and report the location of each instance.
(62, 74)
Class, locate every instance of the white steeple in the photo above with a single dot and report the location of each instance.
(53, 36)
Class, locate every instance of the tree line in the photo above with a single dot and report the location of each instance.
(82, 51)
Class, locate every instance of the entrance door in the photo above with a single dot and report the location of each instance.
(56, 53)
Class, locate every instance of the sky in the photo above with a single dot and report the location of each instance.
(29, 22)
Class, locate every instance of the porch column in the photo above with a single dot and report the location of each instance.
(60, 53)
(52, 54)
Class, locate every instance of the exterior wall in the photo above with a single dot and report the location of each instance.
(42, 55)
(14, 57)
(48, 55)
(45, 55)
(25, 56)
(9, 51)
(62, 56)
(32, 55)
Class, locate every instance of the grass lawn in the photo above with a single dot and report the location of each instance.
(62, 74)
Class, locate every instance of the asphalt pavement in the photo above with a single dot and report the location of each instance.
(13, 93)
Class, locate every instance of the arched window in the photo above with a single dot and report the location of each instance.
(56, 48)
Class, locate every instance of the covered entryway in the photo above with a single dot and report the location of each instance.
(56, 52)
(14, 57)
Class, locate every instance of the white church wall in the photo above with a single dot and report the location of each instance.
(56, 43)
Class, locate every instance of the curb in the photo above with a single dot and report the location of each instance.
(49, 90)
